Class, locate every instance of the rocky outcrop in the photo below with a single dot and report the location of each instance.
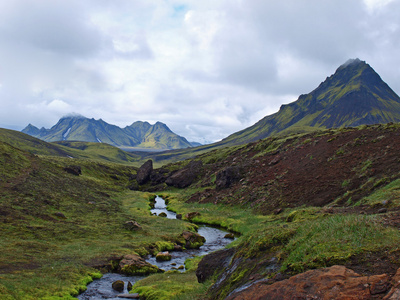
(227, 177)
(144, 172)
(336, 282)
(213, 262)
(133, 264)
(394, 293)
(186, 176)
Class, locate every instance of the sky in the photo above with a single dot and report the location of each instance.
(205, 68)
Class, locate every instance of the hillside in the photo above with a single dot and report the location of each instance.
(300, 197)
(137, 135)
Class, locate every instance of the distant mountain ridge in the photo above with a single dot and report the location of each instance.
(139, 134)
(354, 95)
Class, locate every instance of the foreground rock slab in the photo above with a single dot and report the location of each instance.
(133, 264)
(128, 296)
(336, 282)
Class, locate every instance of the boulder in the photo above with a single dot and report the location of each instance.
(179, 216)
(229, 236)
(129, 296)
(60, 215)
(118, 285)
(336, 282)
(213, 262)
(162, 214)
(129, 286)
(132, 225)
(186, 176)
(133, 264)
(394, 293)
(163, 256)
(192, 240)
(227, 177)
(144, 172)
(74, 170)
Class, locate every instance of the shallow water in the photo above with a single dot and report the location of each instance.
(101, 288)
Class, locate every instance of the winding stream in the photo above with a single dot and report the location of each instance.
(101, 288)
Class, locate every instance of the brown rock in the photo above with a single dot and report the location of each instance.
(227, 177)
(132, 225)
(213, 262)
(193, 240)
(118, 285)
(129, 296)
(336, 282)
(185, 177)
(74, 170)
(394, 293)
(129, 286)
(163, 256)
(144, 172)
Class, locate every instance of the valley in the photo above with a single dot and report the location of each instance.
(312, 194)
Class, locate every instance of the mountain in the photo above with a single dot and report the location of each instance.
(138, 135)
(354, 95)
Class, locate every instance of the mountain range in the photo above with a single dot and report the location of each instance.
(138, 135)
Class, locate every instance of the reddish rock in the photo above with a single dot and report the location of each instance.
(133, 264)
(394, 293)
(336, 282)
(190, 216)
(192, 240)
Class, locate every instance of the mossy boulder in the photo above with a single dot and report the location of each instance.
(133, 264)
(163, 256)
(118, 285)
(191, 240)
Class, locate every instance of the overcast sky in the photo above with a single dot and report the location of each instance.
(205, 68)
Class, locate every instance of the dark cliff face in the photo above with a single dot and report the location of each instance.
(354, 95)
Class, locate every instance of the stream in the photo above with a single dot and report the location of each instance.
(101, 288)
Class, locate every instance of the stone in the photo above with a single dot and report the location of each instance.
(213, 262)
(129, 286)
(186, 176)
(74, 170)
(162, 214)
(382, 210)
(163, 256)
(144, 172)
(229, 236)
(227, 177)
(118, 285)
(336, 282)
(60, 215)
(190, 216)
(133, 264)
(178, 248)
(179, 216)
(132, 225)
(192, 240)
(394, 293)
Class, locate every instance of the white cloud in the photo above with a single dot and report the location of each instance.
(205, 68)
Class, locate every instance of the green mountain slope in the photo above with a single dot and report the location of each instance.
(139, 134)
(354, 95)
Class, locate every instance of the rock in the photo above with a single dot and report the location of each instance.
(118, 285)
(336, 282)
(394, 293)
(60, 215)
(144, 172)
(129, 296)
(278, 211)
(181, 267)
(74, 170)
(163, 256)
(179, 216)
(129, 286)
(162, 214)
(192, 240)
(186, 176)
(227, 177)
(190, 216)
(382, 210)
(178, 248)
(133, 264)
(229, 236)
(132, 225)
(213, 262)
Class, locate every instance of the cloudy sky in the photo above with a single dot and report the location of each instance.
(205, 68)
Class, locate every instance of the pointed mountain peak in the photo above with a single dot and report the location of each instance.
(352, 62)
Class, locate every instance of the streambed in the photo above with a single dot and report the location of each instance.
(101, 288)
